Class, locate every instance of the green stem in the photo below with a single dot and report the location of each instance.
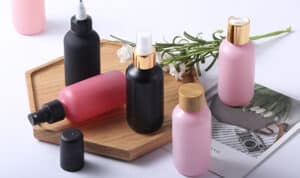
(275, 33)
(122, 40)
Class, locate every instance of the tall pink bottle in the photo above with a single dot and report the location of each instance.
(29, 16)
(84, 100)
(236, 64)
(191, 131)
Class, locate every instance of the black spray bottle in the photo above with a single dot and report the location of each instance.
(81, 48)
(145, 88)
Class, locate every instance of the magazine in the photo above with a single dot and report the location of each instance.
(244, 136)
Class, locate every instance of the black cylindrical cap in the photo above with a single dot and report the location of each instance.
(71, 150)
(50, 112)
(81, 27)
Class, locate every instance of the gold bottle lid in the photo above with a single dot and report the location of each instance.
(191, 97)
(144, 62)
(238, 30)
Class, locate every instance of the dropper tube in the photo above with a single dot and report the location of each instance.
(81, 11)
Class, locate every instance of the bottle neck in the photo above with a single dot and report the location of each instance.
(81, 27)
(50, 112)
(144, 62)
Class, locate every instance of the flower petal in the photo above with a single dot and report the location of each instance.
(125, 53)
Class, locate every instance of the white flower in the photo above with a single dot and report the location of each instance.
(181, 71)
(165, 68)
(125, 53)
(175, 73)
(172, 69)
(159, 60)
(158, 57)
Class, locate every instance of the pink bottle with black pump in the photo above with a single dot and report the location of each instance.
(191, 131)
(236, 64)
(29, 16)
(84, 100)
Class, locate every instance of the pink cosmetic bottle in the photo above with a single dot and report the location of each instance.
(84, 100)
(236, 64)
(191, 131)
(29, 16)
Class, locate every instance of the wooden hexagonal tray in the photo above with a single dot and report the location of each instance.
(109, 135)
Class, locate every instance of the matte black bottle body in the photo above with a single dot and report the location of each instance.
(145, 103)
(81, 52)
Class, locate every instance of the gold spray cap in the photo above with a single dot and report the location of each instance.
(144, 53)
(191, 97)
(238, 30)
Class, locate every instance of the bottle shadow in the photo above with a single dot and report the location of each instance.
(91, 168)
(153, 157)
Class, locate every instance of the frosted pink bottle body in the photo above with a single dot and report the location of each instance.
(236, 73)
(94, 96)
(29, 16)
(191, 141)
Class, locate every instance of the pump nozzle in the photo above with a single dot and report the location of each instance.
(144, 44)
(144, 53)
(50, 112)
(81, 12)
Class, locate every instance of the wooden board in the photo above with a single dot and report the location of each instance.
(109, 135)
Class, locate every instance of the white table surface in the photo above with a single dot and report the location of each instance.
(23, 156)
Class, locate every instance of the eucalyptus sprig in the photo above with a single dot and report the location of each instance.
(192, 51)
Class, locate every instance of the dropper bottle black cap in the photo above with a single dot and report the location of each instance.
(50, 112)
(81, 23)
(81, 48)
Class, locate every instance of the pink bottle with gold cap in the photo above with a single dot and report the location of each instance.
(236, 64)
(29, 16)
(191, 131)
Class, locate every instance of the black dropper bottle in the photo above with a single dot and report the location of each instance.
(145, 88)
(81, 48)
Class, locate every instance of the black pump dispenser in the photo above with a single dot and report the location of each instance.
(51, 112)
(81, 49)
(145, 88)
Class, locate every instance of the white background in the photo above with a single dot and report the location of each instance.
(23, 156)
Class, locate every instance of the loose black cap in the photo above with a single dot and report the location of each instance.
(50, 112)
(71, 150)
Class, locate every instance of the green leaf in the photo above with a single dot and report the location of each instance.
(190, 37)
(175, 38)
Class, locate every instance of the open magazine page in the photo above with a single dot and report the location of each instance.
(242, 136)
